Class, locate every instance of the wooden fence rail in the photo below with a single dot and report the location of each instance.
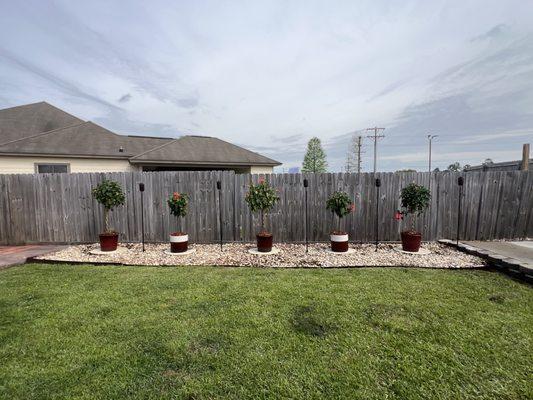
(59, 208)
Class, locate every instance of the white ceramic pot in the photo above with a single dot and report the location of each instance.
(339, 243)
(179, 244)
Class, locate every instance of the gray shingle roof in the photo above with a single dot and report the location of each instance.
(30, 119)
(84, 139)
(203, 149)
(42, 129)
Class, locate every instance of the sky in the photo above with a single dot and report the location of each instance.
(269, 75)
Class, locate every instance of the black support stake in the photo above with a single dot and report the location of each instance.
(141, 189)
(306, 185)
(460, 182)
(378, 184)
(219, 188)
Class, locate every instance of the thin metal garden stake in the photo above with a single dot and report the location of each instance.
(460, 182)
(306, 184)
(141, 189)
(219, 188)
(378, 184)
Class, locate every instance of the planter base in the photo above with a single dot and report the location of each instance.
(340, 253)
(255, 251)
(420, 252)
(98, 252)
(183, 253)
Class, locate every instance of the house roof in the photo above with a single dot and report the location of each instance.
(504, 165)
(42, 129)
(30, 119)
(83, 139)
(204, 149)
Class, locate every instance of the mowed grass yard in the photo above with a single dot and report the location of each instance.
(86, 332)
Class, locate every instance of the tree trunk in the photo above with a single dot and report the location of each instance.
(106, 220)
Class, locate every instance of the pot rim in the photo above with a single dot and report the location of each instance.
(338, 238)
(108, 234)
(179, 238)
(411, 233)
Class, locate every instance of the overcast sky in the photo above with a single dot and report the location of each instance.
(270, 75)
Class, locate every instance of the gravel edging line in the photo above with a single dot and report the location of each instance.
(515, 268)
(290, 256)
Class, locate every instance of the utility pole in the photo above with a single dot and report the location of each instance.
(359, 139)
(525, 157)
(353, 157)
(430, 138)
(375, 137)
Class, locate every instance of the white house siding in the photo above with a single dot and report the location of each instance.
(261, 170)
(26, 165)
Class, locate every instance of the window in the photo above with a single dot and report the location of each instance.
(52, 168)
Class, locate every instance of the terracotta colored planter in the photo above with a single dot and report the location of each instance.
(108, 241)
(179, 242)
(339, 242)
(411, 241)
(264, 242)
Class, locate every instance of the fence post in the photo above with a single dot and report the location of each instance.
(378, 184)
(460, 182)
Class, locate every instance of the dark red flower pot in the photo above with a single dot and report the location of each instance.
(264, 242)
(411, 241)
(108, 241)
(179, 242)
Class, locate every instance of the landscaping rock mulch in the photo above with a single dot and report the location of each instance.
(290, 256)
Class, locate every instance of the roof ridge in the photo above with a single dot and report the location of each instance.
(42, 133)
(244, 148)
(154, 148)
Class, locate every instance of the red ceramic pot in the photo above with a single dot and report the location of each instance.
(411, 241)
(264, 242)
(108, 241)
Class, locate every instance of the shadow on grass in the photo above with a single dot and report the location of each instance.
(307, 320)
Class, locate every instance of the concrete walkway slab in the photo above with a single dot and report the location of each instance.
(522, 251)
(15, 255)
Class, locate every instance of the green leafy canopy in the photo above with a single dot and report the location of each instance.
(415, 199)
(109, 194)
(261, 197)
(340, 203)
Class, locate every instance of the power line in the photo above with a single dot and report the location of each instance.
(375, 137)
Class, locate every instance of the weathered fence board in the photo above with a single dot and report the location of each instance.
(59, 208)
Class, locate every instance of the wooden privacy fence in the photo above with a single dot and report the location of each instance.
(59, 208)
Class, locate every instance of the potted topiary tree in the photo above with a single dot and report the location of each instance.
(415, 199)
(179, 241)
(262, 198)
(341, 205)
(110, 195)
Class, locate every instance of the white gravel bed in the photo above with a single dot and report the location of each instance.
(290, 256)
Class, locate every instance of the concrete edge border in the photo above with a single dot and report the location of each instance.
(515, 268)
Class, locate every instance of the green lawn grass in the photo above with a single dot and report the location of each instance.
(201, 333)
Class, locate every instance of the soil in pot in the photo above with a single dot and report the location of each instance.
(108, 241)
(264, 242)
(411, 241)
(179, 242)
(339, 242)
